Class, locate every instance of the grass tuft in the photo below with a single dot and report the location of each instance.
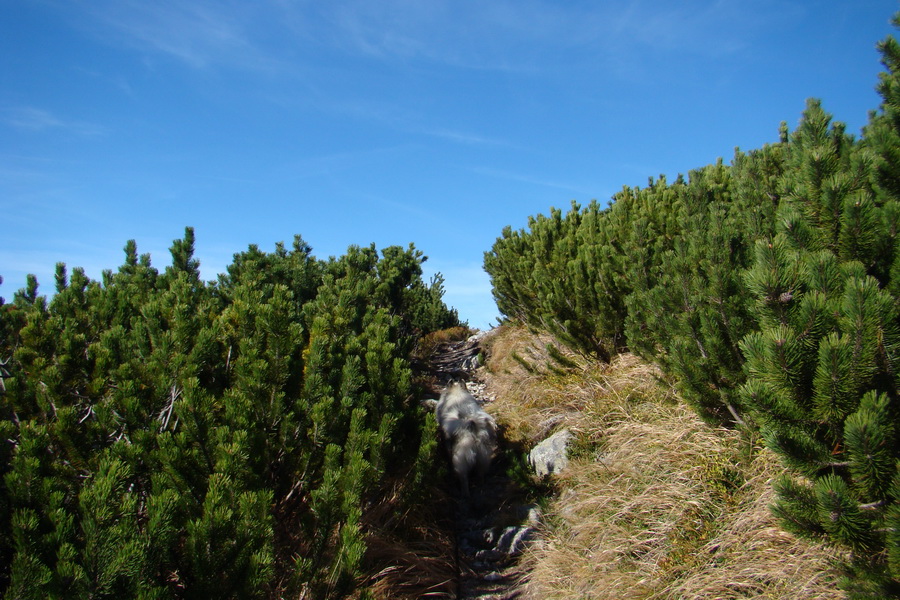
(655, 503)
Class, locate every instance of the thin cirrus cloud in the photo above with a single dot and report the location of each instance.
(466, 137)
(32, 119)
(500, 36)
(512, 176)
(526, 35)
(198, 34)
(299, 42)
(503, 35)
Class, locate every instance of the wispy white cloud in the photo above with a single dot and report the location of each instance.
(513, 176)
(530, 35)
(493, 36)
(198, 33)
(401, 117)
(29, 118)
(334, 163)
(711, 27)
(464, 137)
(517, 36)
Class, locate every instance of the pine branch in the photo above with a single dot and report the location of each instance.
(4, 373)
(735, 415)
(166, 412)
(87, 414)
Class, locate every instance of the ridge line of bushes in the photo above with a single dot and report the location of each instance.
(769, 289)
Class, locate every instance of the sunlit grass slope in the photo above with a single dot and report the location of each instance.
(655, 503)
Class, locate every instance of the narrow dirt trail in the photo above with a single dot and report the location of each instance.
(494, 525)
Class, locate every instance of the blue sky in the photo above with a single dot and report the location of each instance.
(390, 121)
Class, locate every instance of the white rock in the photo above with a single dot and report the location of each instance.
(550, 456)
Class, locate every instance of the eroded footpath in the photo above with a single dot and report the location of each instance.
(494, 525)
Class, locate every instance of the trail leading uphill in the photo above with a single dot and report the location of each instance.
(493, 525)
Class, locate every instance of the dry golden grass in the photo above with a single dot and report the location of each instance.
(428, 343)
(412, 552)
(655, 503)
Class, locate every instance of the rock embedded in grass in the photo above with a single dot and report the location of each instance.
(551, 455)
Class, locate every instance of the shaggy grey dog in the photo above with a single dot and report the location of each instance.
(469, 432)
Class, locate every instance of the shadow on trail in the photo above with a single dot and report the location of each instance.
(494, 525)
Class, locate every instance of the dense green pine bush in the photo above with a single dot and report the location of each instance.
(557, 277)
(166, 437)
(768, 289)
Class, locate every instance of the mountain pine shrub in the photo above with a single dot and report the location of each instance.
(822, 369)
(166, 437)
(768, 289)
